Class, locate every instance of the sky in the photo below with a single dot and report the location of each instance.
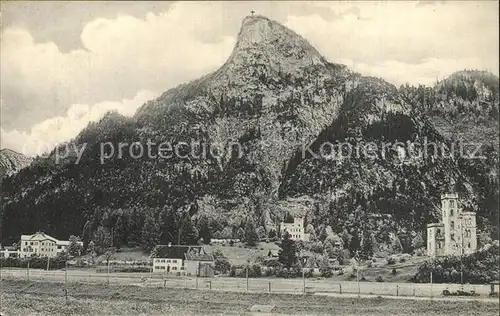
(65, 64)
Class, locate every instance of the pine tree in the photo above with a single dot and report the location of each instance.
(74, 247)
(204, 230)
(355, 243)
(251, 236)
(169, 226)
(102, 239)
(135, 223)
(120, 231)
(150, 233)
(366, 246)
(240, 234)
(188, 232)
(396, 245)
(288, 252)
(418, 241)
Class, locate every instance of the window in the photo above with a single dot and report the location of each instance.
(58, 247)
(452, 204)
(468, 245)
(168, 261)
(174, 268)
(174, 261)
(26, 243)
(451, 212)
(452, 225)
(31, 243)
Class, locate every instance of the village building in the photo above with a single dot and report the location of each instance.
(296, 229)
(456, 234)
(39, 244)
(182, 260)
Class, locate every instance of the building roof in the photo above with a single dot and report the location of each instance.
(38, 236)
(196, 253)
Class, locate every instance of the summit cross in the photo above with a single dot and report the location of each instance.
(252, 12)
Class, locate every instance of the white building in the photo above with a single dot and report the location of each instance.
(42, 244)
(295, 229)
(456, 234)
(182, 260)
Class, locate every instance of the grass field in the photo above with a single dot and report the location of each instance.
(41, 298)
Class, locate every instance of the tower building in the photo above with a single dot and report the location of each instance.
(456, 234)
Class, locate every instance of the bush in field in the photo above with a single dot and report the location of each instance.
(379, 279)
(394, 271)
(391, 261)
(325, 269)
(478, 268)
(255, 271)
(222, 265)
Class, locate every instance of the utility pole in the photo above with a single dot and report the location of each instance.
(108, 273)
(28, 271)
(462, 253)
(431, 285)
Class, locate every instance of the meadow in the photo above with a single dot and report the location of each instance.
(43, 298)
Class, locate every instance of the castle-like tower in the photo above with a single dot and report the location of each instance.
(456, 234)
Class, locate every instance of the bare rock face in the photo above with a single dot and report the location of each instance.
(11, 162)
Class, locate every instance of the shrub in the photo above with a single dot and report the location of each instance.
(394, 272)
(391, 260)
(255, 271)
(231, 243)
(481, 267)
(222, 265)
(379, 279)
(232, 272)
(402, 260)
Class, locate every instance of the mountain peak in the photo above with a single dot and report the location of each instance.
(262, 41)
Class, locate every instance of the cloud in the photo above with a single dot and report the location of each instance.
(45, 135)
(410, 38)
(122, 56)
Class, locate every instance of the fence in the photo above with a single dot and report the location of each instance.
(251, 285)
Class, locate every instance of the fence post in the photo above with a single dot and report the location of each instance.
(397, 290)
(414, 291)
(108, 273)
(269, 286)
(340, 286)
(210, 284)
(28, 270)
(431, 285)
(247, 277)
(164, 283)
(303, 281)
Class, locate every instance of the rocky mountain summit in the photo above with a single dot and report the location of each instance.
(11, 162)
(280, 101)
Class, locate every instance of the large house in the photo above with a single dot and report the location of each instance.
(456, 234)
(295, 229)
(182, 260)
(39, 244)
